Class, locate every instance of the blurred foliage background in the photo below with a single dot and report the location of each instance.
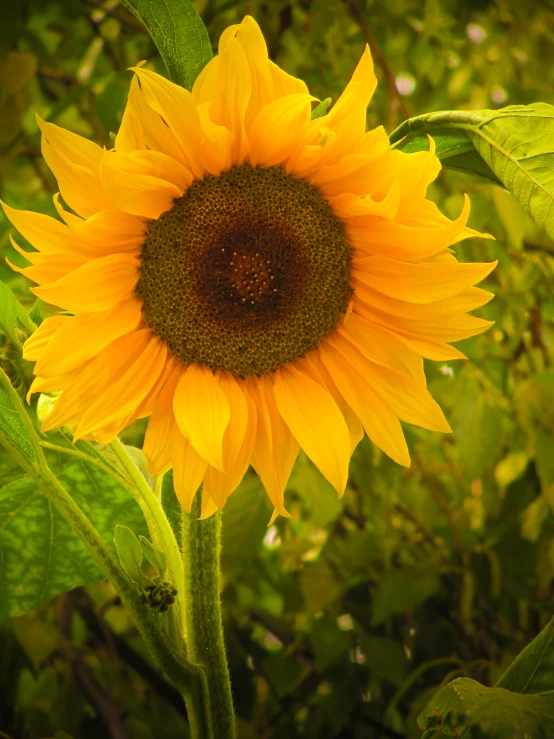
(345, 619)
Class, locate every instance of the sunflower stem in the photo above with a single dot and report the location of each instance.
(204, 629)
(160, 529)
(188, 678)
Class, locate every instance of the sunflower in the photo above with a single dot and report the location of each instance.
(254, 280)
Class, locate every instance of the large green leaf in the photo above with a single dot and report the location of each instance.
(179, 34)
(40, 556)
(15, 433)
(532, 671)
(513, 146)
(467, 710)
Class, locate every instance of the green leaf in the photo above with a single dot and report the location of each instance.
(244, 522)
(129, 552)
(402, 590)
(16, 434)
(13, 316)
(467, 710)
(513, 146)
(320, 110)
(40, 556)
(532, 671)
(179, 34)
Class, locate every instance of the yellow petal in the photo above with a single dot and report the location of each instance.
(130, 136)
(216, 147)
(52, 384)
(202, 412)
(208, 505)
(238, 442)
(380, 345)
(92, 382)
(111, 410)
(404, 241)
(177, 109)
(277, 128)
(316, 423)
(83, 336)
(39, 340)
(314, 368)
(407, 397)
(144, 183)
(98, 285)
(157, 440)
(188, 468)
(424, 282)
(381, 424)
(347, 205)
(225, 83)
(75, 163)
(275, 448)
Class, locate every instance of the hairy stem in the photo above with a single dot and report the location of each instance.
(204, 628)
(160, 529)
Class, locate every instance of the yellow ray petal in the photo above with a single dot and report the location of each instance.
(98, 285)
(52, 384)
(43, 232)
(130, 136)
(85, 335)
(157, 440)
(188, 468)
(202, 412)
(347, 205)
(39, 340)
(424, 282)
(177, 108)
(407, 397)
(275, 448)
(349, 111)
(314, 367)
(144, 183)
(316, 423)
(403, 241)
(109, 413)
(238, 442)
(46, 267)
(467, 299)
(75, 163)
(277, 128)
(225, 83)
(380, 345)
(208, 505)
(216, 148)
(381, 424)
(96, 378)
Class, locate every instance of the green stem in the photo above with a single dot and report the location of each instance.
(160, 529)
(204, 630)
(188, 678)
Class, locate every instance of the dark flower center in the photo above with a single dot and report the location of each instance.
(247, 272)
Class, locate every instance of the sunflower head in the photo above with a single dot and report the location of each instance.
(254, 280)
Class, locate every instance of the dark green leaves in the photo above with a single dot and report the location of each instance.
(179, 34)
(40, 556)
(467, 710)
(513, 147)
(533, 670)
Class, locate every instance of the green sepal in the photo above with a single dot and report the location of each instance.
(320, 110)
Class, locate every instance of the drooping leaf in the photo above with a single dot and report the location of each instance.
(40, 556)
(468, 710)
(179, 34)
(513, 145)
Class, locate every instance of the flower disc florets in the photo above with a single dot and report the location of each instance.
(247, 272)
